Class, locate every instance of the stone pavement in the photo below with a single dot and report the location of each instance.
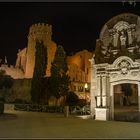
(20, 124)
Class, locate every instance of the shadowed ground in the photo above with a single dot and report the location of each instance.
(127, 113)
(21, 124)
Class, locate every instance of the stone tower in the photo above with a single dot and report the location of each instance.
(43, 32)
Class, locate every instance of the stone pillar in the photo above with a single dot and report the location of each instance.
(115, 39)
(101, 90)
(129, 36)
(98, 91)
(102, 113)
(107, 90)
(93, 88)
(104, 91)
(104, 86)
(104, 101)
(139, 96)
(98, 101)
(98, 85)
(111, 103)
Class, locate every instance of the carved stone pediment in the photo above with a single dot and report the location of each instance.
(119, 36)
(124, 66)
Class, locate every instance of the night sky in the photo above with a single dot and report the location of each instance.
(76, 25)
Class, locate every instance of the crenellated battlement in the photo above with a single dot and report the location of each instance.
(40, 30)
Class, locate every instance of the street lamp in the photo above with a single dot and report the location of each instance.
(86, 86)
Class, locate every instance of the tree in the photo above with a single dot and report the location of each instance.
(59, 81)
(37, 86)
(6, 82)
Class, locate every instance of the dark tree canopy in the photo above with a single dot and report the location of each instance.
(6, 81)
(72, 99)
(39, 71)
(59, 65)
(59, 79)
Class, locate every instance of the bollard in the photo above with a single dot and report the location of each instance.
(66, 111)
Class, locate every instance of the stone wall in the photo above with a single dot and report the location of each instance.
(79, 63)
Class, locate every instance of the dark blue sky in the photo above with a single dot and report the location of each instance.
(76, 25)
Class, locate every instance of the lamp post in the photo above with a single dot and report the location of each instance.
(86, 86)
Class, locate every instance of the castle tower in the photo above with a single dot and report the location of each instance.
(43, 32)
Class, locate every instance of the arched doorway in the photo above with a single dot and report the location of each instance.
(126, 102)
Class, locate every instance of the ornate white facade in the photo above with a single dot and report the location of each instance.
(116, 61)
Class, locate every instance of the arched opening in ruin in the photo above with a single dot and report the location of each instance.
(126, 102)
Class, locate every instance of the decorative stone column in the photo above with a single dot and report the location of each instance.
(129, 36)
(139, 96)
(104, 91)
(102, 112)
(98, 91)
(115, 39)
(93, 88)
(111, 103)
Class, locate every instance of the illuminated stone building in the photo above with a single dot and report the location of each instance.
(115, 69)
(78, 64)
(26, 58)
(79, 72)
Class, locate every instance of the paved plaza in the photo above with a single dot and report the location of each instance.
(20, 124)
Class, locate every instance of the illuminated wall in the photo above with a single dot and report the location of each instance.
(79, 66)
(40, 32)
(21, 59)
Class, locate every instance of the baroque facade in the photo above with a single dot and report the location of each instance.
(116, 64)
(78, 64)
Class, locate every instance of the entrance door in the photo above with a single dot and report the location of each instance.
(126, 102)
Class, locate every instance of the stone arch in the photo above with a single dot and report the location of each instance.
(115, 19)
(122, 58)
(128, 81)
(121, 25)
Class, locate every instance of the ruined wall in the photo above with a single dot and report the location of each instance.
(15, 73)
(21, 59)
(80, 61)
(76, 74)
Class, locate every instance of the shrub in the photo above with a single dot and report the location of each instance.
(1, 106)
(71, 99)
(81, 102)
